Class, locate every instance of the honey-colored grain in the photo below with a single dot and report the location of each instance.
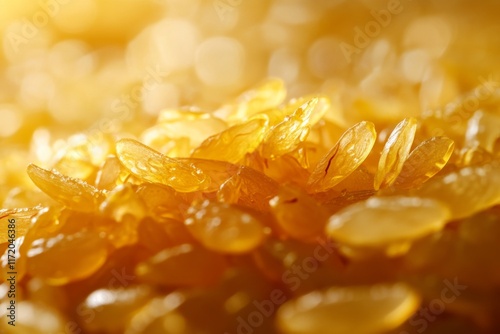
(224, 228)
(74, 193)
(244, 167)
(153, 166)
(339, 310)
(425, 161)
(387, 223)
(343, 159)
(395, 152)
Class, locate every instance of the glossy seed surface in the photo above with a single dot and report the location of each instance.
(387, 222)
(344, 158)
(74, 193)
(153, 166)
(224, 228)
(425, 161)
(395, 152)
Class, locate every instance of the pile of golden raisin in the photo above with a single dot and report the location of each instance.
(348, 196)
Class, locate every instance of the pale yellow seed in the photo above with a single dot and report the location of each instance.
(224, 228)
(74, 193)
(395, 152)
(286, 136)
(344, 158)
(320, 109)
(347, 310)
(467, 190)
(234, 143)
(425, 161)
(152, 166)
(387, 222)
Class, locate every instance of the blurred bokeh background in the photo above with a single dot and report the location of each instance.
(68, 66)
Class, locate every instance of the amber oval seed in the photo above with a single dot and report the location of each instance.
(395, 152)
(224, 228)
(152, 166)
(385, 222)
(357, 309)
(344, 158)
(74, 193)
(425, 161)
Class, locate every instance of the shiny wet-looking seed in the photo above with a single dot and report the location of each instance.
(345, 310)
(387, 223)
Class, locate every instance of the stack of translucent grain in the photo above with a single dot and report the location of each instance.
(250, 167)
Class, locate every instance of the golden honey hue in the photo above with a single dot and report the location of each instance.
(239, 167)
(343, 158)
(395, 153)
(387, 223)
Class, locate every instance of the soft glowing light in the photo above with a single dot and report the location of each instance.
(10, 121)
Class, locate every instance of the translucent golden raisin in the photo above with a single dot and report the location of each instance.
(88, 253)
(298, 214)
(109, 176)
(74, 193)
(162, 201)
(153, 166)
(395, 152)
(387, 223)
(234, 143)
(223, 227)
(425, 161)
(339, 310)
(465, 191)
(287, 135)
(344, 158)
(248, 187)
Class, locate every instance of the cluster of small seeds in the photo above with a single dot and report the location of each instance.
(352, 192)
